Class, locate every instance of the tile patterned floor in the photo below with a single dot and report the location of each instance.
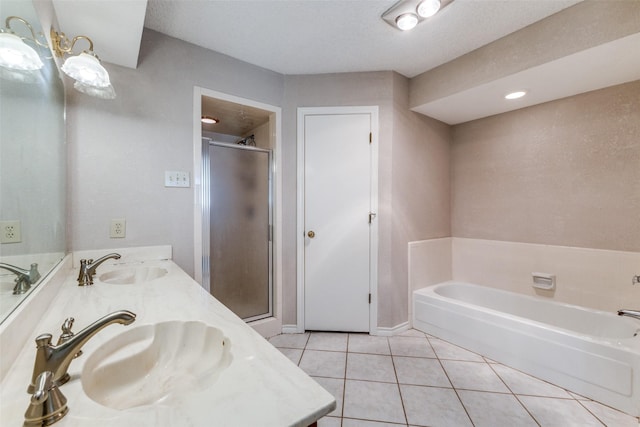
(417, 380)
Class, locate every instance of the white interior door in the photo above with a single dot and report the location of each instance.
(337, 203)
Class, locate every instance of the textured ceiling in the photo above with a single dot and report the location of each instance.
(327, 36)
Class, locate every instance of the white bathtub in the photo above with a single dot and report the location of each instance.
(593, 353)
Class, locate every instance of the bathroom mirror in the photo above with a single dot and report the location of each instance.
(32, 163)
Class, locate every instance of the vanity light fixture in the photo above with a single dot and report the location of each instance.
(209, 120)
(15, 54)
(85, 68)
(406, 14)
(516, 94)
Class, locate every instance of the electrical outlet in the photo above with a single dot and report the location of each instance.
(10, 232)
(118, 229)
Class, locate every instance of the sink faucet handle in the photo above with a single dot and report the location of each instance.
(47, 405)
(67, 333)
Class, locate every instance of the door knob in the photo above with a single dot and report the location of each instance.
(311, 234)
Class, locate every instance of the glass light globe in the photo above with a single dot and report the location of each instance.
(86, 69)
(16, 55)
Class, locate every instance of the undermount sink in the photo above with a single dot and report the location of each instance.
(150, 364)
(129, 276)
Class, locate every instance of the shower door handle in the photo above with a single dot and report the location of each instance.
(311, 234)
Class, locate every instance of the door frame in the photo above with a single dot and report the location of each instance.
(272, 325)
(373, 248)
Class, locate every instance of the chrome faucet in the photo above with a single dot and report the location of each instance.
(57, 359)
(24, 279)
(630, 313)
(88, 268)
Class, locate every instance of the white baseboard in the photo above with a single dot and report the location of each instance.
(389, 332)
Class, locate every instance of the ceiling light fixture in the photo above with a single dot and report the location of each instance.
(406, 14)
(209, 120)
(15, 54)
(85, 68)
(516, 94)
(406, 21)
(428, 8)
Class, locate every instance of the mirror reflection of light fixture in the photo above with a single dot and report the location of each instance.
(18, 60)
(85, 68)
(209, 120)
(406, 14)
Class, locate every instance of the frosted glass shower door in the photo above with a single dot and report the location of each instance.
(239, 233)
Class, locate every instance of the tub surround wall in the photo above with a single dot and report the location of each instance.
(594, 278)
(562, 173)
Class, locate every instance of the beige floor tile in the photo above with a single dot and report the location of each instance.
(331, 341)
(361, 343)
(521, 383)
(433, 407)
(370, 367)
(550, 412)
(411, 346)
(290, 340)
(496, 410)
(446, 350)
(373, 401)
(324, 363)
(610, 416)
(334, 386)
(420, 371)
(473, 376)
(294, 354)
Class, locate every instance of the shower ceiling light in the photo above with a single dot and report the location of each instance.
(85, 68)
(406, 14)
(209, 120)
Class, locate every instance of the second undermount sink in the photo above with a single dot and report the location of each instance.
(153, 363)
(132, 275)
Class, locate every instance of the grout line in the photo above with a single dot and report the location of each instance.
(395, 373)
(589, 411)
(512, 393)
(451, 382)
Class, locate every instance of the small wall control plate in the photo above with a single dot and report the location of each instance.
(176, 179)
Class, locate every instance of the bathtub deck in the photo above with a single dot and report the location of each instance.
(419, 380)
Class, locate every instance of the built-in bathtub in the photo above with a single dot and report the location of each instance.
(593, 353)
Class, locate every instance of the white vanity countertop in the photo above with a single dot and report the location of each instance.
(261, 387)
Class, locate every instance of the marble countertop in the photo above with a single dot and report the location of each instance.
(260, 387)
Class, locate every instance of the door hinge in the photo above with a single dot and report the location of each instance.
(370, 137)
(369, 298)
(371, 217)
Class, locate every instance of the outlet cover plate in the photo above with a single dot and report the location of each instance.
(118, 229)
(10, 232)
(176, 179)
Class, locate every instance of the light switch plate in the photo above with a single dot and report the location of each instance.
(176, 179)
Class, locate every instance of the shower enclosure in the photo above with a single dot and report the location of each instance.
(238, 184)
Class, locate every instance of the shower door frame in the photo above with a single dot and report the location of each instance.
(206, 212)
(270, 326)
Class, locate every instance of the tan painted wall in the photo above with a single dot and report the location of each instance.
(562, 173)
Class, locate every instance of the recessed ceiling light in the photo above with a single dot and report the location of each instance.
(209, 120)
(516, 94)
(428, 8)
(406, 21)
